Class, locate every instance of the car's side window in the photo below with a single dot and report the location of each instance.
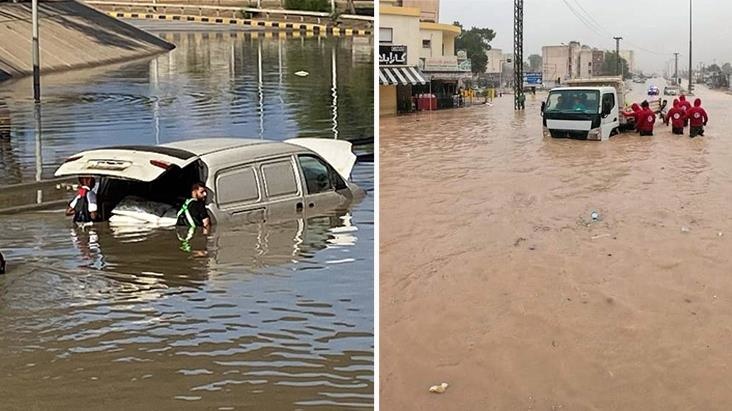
(319, 176)
(279, 178)
(237, 186)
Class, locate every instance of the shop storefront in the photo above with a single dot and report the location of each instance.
(397, 81)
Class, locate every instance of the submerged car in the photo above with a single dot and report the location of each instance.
(253, 180)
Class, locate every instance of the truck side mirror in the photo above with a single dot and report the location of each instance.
(543, 106)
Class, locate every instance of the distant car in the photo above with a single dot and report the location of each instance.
(247, 178)
(653, 91)
(670, 91)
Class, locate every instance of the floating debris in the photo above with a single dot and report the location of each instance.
(438, 389)
(302, 73)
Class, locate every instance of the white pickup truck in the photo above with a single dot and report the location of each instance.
(586, 109)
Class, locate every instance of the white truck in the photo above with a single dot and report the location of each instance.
(587, 109)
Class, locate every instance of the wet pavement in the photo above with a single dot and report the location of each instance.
(495, 279)
(266, 316)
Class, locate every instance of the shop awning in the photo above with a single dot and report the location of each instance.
(401, 75)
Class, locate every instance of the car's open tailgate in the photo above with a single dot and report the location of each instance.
(336, 152)
(142, 163)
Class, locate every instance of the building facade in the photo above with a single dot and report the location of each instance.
(570, 61)
(417, 57)
(629, 56)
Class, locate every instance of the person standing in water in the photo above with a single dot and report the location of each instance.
(193, 212)
(677, 117)
(84, 205)
(646, 120)
(697, 119)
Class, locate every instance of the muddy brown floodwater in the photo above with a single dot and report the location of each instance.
(495, 280)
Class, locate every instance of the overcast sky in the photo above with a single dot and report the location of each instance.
(658, 26)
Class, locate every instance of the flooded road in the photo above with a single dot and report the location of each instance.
(495, 279)
(265, 316)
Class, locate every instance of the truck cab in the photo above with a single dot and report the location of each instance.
(586, 113)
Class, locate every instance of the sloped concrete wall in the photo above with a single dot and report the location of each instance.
(72, 35)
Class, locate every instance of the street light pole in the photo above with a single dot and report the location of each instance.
(690, 68)
(36, 54)
(676, 67)
(617, 55)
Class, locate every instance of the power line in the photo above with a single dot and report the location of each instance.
(589, 21)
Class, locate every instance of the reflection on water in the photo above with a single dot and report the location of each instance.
(266, 316)
(212, 84)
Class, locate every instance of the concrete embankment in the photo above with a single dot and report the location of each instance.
(72, 35)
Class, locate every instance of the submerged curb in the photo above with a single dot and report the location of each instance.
(267, 24)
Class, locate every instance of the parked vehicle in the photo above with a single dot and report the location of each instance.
(670, 91)
(586, 109)
(247, 179)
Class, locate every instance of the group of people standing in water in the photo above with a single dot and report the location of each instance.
(681, 115)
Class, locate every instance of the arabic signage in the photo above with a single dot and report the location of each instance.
(392, 55)
(445, 64)
(532, 78)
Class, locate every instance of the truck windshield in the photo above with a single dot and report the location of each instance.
(573, 101)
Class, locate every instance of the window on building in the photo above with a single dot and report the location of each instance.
(279, 178)
(426, 44)
(386, 35)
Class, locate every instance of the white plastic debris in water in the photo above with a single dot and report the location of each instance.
(302, 73)
(438, 389)
(595, 216)
(685, 229)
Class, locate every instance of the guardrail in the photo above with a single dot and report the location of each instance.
(233, 10)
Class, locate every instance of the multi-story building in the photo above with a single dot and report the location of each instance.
(629, 56)
(416, 54)
(570, 61)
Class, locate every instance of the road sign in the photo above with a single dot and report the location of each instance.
(532, 79)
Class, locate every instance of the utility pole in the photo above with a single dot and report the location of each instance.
(36, 55)
(518, 55)
(617, 55)
(676, 67)
(690, 68)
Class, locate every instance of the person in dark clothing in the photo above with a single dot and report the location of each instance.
(84, 206)
(697, 119)
(193, 212)
(2, 264)
(647, 118)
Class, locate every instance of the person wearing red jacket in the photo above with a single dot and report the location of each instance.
(646, 120)
(684, 105)
(697, 119)
(677, 118)
(633, 113)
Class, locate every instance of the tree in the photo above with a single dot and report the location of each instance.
(727, 68)
(534, 62)
(475, 42)
(609, 65)
(714, 68)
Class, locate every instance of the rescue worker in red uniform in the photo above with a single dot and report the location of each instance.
(633, 113)
(684, 105)
(697, 119)
(677, 118)
(646, 120)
